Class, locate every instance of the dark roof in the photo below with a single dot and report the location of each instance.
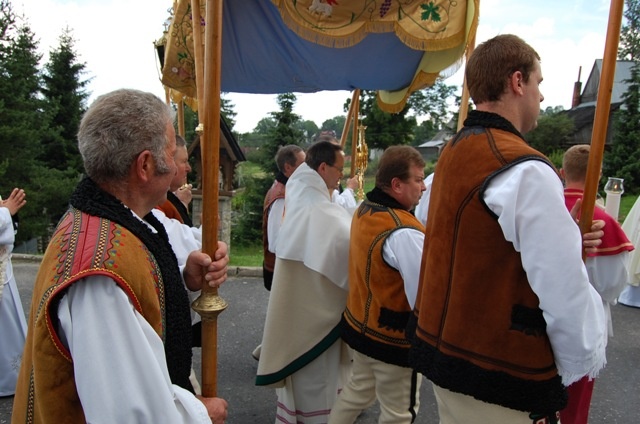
(621, 75)
(583, 116)
(228, 143)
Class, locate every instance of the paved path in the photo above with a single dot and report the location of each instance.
(616, 398)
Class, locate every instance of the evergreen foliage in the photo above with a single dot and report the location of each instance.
(282, 129)
(623, 161)
(629, 45)
(65, 95)
(286, 131)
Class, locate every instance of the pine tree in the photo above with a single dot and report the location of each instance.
(65, 95)
(22, 121)
(629, 46)
(248, 207)
(623, 161)
(286, 131)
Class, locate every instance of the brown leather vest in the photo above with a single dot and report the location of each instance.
(377, 311)
(480, 330)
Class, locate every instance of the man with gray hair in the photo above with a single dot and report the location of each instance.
(288, 158)
(109, 328)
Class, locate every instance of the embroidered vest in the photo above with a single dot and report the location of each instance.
(480, 330)
(82, 246)
(377, 311)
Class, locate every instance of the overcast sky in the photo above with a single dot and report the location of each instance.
(115, 40)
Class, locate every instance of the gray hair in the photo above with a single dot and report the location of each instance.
(117, 127)
(287, 155)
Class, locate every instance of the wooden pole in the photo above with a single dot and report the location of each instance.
(464, 102)
(354, 137)
(181, 130)
(347, 122)
(601, 119)
(209, 305)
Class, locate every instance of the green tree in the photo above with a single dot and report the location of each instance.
(286, 131)
(433, 103)
(623, 161)
(554, 131)
(281, 129)
(334, 124)
(424, 132)
(227, 110)
(385, 129)
(65, 95)
(629, 46)
(309, 129)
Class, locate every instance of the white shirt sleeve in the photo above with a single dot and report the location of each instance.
(346, 199)
(529, 202)
(403, 251)
(183, 239)
(609, 275)
(119, 362)
(274, 222)
(423, 205)
(7, 234)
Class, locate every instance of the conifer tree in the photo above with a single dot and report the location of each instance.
(65, 95)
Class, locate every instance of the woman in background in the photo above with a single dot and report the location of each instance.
(13, 327)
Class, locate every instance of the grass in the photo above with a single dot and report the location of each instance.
(626, 203)
(246, 255)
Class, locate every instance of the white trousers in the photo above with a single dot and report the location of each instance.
(457, 408)
(396, 388)
(309, 394)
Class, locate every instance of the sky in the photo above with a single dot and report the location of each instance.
(114, 38)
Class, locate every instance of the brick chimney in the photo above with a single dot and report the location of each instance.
(577, 88)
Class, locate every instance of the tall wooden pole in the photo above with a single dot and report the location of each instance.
(464, 102)
(356, 121)
(181, 130)
(347, 122)
(601, 119)
(209, 305)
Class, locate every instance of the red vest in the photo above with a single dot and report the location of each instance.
(614, 240)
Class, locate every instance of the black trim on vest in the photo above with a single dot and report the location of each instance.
(380, 197)
(477, 118)
(393, 320)
(381, 351)
(499, 388)
(88, 197)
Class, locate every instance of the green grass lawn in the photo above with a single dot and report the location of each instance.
(246, 255)
(626, 203)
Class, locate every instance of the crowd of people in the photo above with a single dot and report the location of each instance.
(472, 276)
